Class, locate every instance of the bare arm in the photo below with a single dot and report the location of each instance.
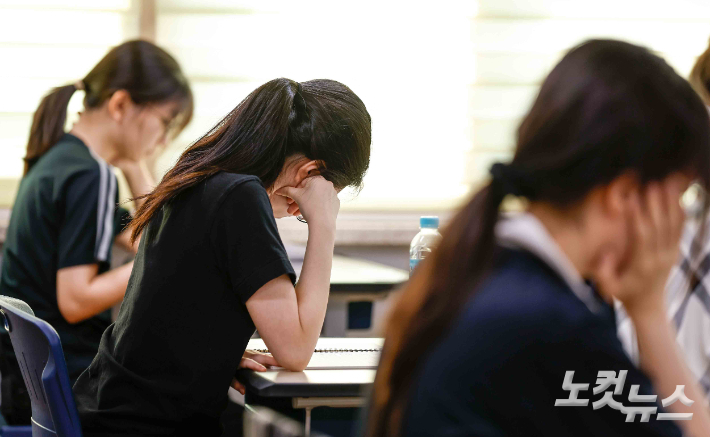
(657, 221)
(140, 182)
(290, 320)
(662, 360)
(139, 179)
(82, 293)
(124, 241)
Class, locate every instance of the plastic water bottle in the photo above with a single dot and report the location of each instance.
(423, 243)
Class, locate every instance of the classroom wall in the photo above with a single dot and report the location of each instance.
(446, 82)
(43, 44)
(408, 64)
(517, 42)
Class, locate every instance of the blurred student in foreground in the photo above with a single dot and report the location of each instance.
(488, 331)
(688, 287)
(65, 217)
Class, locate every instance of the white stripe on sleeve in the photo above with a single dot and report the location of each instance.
(105, 242)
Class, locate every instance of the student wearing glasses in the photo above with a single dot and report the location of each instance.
(65, 217)
(211, 266)
(486, 333)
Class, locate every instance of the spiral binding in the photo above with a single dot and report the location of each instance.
(328, 350)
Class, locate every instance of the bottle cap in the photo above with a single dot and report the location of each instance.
(431, 222)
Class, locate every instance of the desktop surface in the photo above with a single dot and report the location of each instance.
(339, 381)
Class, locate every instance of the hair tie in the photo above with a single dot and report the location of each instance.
(299, 102)
(503, 177)
(79, 84)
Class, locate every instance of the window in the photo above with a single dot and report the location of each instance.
(43, 44)
(446, 82)
(410, 62)
(518, 42)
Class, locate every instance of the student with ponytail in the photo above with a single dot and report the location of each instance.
(65, 217)
(486, 331)
(211, 265)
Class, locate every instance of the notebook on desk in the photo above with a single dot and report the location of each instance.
(337, 353)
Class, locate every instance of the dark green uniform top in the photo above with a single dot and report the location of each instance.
(65, 215)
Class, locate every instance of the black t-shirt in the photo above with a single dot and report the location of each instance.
(65, 215)
(165, 366)
(500, 368)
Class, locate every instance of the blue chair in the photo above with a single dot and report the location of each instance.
(41, 360)
(15, 431)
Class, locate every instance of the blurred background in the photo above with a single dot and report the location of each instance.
(446, 82)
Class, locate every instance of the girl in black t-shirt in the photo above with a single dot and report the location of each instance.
(65, 218)
(211, 266)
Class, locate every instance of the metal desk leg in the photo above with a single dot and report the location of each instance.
(307, 432)
(310, 403)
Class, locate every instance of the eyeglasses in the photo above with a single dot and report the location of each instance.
(170, 124)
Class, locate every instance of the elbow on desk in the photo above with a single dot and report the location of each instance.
(294, 362)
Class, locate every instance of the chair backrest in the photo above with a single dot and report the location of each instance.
(41, 360)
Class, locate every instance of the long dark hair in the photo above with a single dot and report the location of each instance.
(322, 120)
(147, 72)
(700, 76)
(607, 108)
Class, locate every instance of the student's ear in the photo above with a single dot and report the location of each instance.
(617, 194)
(118, 105)
(307, 169)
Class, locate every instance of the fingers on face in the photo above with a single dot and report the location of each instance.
(675, 187)
(292, 208)
(659, 216)
(640, 227)
(656, 208)
(605, 270)
(286, 192)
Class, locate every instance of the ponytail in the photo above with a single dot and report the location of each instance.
(588, 125)
(438, 289)
(322, 120)
(251, 139)
(48, 123)
(148, 73)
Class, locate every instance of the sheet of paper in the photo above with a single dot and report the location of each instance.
(367, 357)
(344, 360)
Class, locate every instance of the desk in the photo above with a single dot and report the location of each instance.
(291, 392)
(334, 383)
(352, 280)
(354, 275)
